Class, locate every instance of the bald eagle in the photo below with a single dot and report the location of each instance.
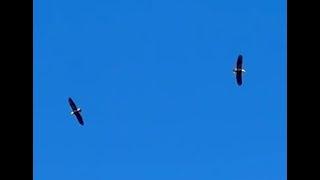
(75, 111)
(239, 70)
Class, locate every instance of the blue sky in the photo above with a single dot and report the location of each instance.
(154, 80)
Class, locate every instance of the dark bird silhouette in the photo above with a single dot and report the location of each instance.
(75, 111)
(239, 70)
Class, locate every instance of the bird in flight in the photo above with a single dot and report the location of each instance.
(239, 70)
(75, 111)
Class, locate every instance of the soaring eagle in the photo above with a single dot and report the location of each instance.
(76, 111)
(239, 70)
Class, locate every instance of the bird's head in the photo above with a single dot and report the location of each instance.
(234, 70)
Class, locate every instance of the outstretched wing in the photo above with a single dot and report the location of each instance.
(79, 117)
(239, 62)
(72, 104)
(239, 77)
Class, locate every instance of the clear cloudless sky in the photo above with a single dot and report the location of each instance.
(159, 99)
